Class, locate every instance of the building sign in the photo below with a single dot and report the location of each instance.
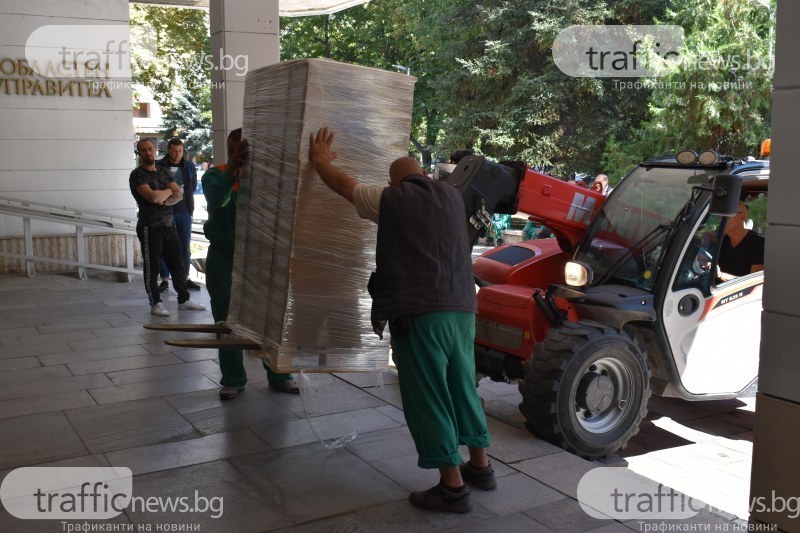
(86, 79)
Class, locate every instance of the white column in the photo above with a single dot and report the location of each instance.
(244, 37)
(777, 429)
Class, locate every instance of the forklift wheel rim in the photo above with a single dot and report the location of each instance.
(611, 416)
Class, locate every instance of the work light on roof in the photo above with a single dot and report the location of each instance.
(709, 157)
(686, 157)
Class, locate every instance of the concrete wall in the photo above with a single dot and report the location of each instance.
(74, 151)
(776, 464)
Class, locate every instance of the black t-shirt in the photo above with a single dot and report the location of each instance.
(151, 214)
(739, 261)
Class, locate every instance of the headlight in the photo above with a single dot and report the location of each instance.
(686, 157)
(577, 274)
(709, 157)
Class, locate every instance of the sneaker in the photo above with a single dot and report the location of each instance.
(192, 285)
(229, 393)
(482, 478)
(442, 498)
(189, 305)
(158, 310)
(289, 385)
(164, 285)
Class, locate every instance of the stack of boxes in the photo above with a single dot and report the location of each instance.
(303, 256)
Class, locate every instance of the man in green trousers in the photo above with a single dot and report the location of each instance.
(220, 187)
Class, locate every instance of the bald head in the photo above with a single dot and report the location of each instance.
(405, 166)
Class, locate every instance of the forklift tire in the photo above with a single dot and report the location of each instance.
(586, 388)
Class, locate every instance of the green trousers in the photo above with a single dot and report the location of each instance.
(436, 368)
(219, 267)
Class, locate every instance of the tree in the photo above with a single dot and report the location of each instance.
(719, 94)
(504, 96)
(190, 120)
(169, 50)
(380, 34)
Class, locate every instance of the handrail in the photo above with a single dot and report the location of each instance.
(28, 210)
(80, 218)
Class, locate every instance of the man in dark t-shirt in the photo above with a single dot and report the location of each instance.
(742, 250)
(155, 192)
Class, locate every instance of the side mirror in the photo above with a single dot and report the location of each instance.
(725, 192)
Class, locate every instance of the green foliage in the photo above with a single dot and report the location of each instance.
(720, 95)
(169, 47)
(190, 120)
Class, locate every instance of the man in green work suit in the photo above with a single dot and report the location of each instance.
(425, 289)
(220, 187)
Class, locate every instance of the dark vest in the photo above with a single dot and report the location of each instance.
(423, 261)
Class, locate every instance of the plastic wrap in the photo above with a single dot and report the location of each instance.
(303, 256)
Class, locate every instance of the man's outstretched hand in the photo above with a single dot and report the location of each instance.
(320, 147)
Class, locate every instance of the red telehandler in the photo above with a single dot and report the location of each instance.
(624, 301)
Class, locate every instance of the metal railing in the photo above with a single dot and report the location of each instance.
(80, 219)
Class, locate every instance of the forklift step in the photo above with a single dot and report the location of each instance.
(226, 343)
(189, 328)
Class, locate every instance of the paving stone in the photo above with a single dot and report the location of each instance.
(401, 517)
(369, 379)
(106, 428)
(248, 410)
(384, 445)
(613, 527)
(561, 471)
(511, 444)
(308, 482)
(197, 355)
(245, 507)
(41, 373)
(511, 523)
(32, 439)
(156, 457)
(112, 342)
(389, 394)
(566, 516)
(83, 324)
(44, 404)
(8, 365)
(150, 389)
(122, 363)
(10, 333)
(92, 355)
(347, 523)
(716, 426)
(392, 412)
(516, 493)
(52, 386)
(18, 350)
(66, 336)
(165, 366)
(286, 434)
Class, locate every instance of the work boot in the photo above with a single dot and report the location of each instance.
(482, 478)
(287, 385)
(442, 498)
(229, 393)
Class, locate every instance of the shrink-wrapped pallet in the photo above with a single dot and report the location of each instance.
(303, 256)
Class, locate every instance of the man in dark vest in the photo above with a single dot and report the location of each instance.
(425, 290)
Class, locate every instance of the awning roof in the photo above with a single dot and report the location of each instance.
(287, 8)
